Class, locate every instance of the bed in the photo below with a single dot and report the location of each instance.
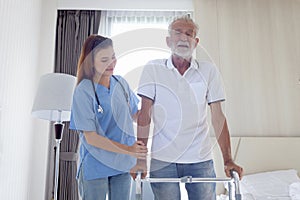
(271, 167)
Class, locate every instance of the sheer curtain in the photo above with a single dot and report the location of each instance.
(115, 22)
(138, 37)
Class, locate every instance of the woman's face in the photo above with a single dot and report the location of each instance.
(105, 61)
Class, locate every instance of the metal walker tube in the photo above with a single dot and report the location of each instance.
(233, 183)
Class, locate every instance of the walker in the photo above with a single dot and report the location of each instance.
(233, 183)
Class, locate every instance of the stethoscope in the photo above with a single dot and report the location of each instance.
(100, 109)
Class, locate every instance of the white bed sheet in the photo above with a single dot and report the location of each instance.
(294, 190)
(251, 197)
(272, 185)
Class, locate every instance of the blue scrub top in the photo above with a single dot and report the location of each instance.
(114, 123)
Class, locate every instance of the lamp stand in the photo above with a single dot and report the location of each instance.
(59, 127)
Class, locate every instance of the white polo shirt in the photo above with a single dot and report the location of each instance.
(180, 108)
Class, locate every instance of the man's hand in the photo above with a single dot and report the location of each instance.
(141, 166)
(230, 165)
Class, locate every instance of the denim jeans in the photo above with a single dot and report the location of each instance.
(171, 191)
(115, 187)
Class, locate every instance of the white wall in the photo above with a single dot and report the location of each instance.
(256, 44)
(26, 52)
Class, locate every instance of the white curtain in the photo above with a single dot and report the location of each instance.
(136, 18)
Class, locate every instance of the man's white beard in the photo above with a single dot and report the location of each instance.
(185, 51)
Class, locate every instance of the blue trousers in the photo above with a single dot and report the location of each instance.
(115, 187)
(171, 191)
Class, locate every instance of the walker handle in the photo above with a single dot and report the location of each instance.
(236, 181)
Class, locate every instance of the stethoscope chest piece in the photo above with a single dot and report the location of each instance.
(100, 109)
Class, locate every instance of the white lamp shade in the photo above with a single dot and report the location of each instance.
(54, 97)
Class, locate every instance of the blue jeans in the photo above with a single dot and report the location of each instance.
(116, 187)
(171, 191)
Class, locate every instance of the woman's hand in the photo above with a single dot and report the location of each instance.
(138, 150)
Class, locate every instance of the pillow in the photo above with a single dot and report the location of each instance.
(273, 183)
(295, 190)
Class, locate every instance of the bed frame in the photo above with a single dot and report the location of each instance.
(260, 154)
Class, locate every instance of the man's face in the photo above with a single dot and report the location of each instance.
(182, 39)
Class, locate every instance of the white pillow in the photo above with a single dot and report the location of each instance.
(295, 190)
(274, 183)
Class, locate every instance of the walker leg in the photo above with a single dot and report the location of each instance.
(138, 189)
(230, 190)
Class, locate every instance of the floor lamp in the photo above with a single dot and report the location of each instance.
(53, 102)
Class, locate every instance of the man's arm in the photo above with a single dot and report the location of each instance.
(144, 120)
(143, 128)
(219, 124)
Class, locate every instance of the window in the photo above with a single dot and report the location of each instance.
(138, 36)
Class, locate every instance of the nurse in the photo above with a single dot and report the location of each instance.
(103, 111)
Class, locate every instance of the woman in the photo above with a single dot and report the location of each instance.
(103, 111)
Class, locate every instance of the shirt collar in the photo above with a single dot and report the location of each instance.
(169, 64)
